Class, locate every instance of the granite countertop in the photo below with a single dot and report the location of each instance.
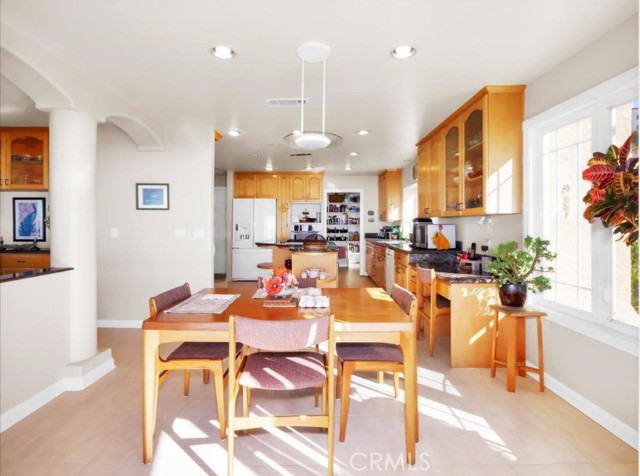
(286, 244)
(453, 275)
(22, 249)
(31, 273)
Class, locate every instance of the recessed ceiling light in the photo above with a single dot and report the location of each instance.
(223, 52)
(234, 132)
(353, 154)
(403, 52)
(256, 154)
(363, 132)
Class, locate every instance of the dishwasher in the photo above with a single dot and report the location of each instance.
(389, 269)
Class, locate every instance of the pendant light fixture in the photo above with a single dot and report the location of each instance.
(309, 139)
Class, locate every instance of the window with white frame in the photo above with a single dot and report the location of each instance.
(595, 277)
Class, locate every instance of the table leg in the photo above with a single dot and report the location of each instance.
(540, 356)
(512, 339)
(408, 343)
(496, 318)
(150, 342)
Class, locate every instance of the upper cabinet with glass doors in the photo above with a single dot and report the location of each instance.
(24, 161)
(483, 154)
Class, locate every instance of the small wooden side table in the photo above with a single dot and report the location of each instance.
(514, 316)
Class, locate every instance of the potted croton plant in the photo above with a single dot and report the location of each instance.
(613, 196)
(518, 269)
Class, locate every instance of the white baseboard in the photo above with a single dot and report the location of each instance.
(605, 419)
(120, 324)
(40, 399)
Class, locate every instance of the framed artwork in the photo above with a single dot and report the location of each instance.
(152, 196)
(29, 219)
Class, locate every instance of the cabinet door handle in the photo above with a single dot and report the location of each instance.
(426, 210)
(20, 261)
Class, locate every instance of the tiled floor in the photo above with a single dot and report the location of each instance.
(469, 426)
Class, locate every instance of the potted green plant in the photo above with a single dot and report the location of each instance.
(518, 270)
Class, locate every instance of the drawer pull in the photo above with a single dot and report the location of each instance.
(20, 261)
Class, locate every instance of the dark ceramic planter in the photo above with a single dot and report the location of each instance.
(514, 295)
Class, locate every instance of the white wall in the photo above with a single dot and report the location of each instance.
(369, 200)
(6, 215)
(30, 329)
(596, 372)
(614, 52)
(501, 228)
(147, 258)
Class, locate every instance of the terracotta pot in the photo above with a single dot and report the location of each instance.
(514, 295)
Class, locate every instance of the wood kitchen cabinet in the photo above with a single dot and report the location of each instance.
(401, 271)
(430, 154)
(283, 207)
(377, 267)
(305, 187)
(19, 262)
(413, 280)
(24, 158)
(478, 152)
(255, 185)
(390, 195)
(244, 185)
(284, 187)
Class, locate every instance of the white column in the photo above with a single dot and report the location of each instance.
(72, 198)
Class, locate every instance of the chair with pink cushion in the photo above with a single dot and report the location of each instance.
(205, 356)
(372, 356)
(283, 358)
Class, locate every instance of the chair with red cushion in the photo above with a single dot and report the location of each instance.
(284, 359)
(206, 356)
(372, 356)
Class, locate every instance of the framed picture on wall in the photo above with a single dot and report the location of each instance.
(152, 196)
(29, 219)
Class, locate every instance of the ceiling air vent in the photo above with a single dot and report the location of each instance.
(301, 154)
(285, 102)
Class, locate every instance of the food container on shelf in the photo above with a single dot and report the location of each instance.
(313, 272)
(322, 275)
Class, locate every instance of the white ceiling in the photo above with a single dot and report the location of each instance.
(155, 55)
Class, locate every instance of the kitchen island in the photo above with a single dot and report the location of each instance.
(301, 260)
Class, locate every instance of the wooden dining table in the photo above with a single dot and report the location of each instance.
(361, 315)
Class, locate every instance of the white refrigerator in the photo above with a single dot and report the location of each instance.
(254, 221)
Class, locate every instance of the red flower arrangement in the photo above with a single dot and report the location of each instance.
(280, 281)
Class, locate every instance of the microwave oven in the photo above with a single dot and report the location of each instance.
(425, 235)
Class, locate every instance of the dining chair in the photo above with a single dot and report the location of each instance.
(205, 356)
(429, 308)
(283, 357)
(372, 356)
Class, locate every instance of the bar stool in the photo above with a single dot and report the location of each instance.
(514, 317)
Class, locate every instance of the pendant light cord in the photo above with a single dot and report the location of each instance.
(302, 101)
(324, 88)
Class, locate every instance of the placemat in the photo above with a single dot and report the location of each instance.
(204, 304)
